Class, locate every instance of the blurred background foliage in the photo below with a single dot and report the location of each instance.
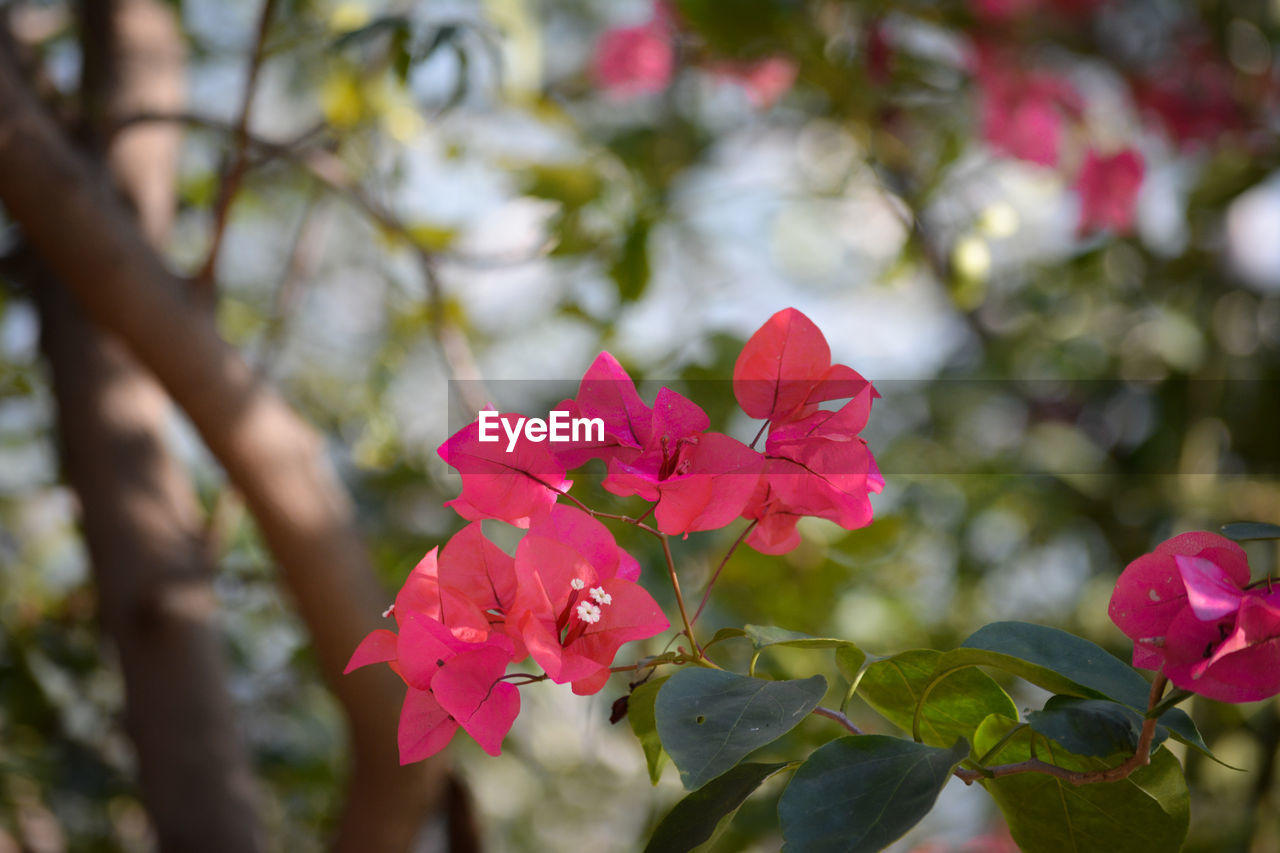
(457, 189)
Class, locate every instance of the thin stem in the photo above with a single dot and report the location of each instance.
(634, 522)
(238, 159)
(838, 717)
(706, 593)
(675, 585)
(764, 426)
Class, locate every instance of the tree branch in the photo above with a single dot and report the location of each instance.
(277, 461)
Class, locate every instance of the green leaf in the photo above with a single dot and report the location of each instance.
(763, 636)
(701, 815)
(859, 793)
(1064, 663)
(849, 660)
(1052, 659)
(957, 704)
(1148, 810)
(1247, 531)
(1093, 727)
(709, 719)
(724, 634)
(643, 723)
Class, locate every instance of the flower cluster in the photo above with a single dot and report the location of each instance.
(1190, 609)
(569, 597)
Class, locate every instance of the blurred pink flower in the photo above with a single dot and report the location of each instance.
(1022, 113)
(1108, 188)
(765, 80)
(1188, 608)
(635, 60)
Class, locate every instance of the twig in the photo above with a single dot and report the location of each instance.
(840, 718)
(706, 593)
(237, 160)
(675, 585)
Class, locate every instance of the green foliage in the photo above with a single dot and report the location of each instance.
(709, 719)
(1092, 727)
(700, 817)
(1146, 811)
(1247, 531)
(955, 706)
(640, 713)
(858, 794)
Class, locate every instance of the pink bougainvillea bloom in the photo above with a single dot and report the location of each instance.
(1189, 609)
(784, 370)
(577, 600)
(1108, 188)
(451, 683)
(1022, 113)
(635, 60)
(765, 80)
(608, 393)
(467, 586)
(816, 464)
(509, 486)
(700, 480)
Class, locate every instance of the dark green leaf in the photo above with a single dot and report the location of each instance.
(1245, 531)
(630, 270)
(709, 719)
(724, 634)
(1148, 810)
(643, 723)
(1093, 727)
(696, 819)
(956, 705)
(860, 793)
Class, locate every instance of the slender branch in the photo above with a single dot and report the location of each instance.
(675, 585)
(840, 718)
(706, 593)
(238, 160)
(764, 426)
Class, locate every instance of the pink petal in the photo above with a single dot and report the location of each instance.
(676, 416)
(591, 684)
(479, 569)
(722, 477)
(378, 647)
(422, 646)
(425, 727)
(513, 486)
(607, 392)
(467, 687)
(779, 364)
(1210, 591)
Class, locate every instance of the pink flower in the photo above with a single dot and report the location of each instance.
(784, 370)
(451, 684)
(700, 480)
(509, 486)
(765, 80)
(1022, 113)
(577, 600)
(1189, 609)
(1108, 188)
(635, 60)
(815, 462)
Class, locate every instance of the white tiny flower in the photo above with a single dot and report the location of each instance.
(577, 583)
(588, 612)
(386, 614)
(601, 596)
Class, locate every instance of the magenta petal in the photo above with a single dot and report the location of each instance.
(425, 727)
(591, 684)
(1210, 591)
(467, 687)
(378, 647)
(423, 643)
(779, 364)
(1147, 597)
(675, 417)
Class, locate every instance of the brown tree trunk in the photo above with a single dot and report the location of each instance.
(140, 517)
(277, 462)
